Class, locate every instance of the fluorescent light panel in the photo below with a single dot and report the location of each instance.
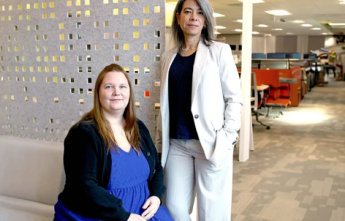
(278, 12)
(216, 15)
(336, 24)
(306, 25)
(297, 21)
(262, 26)
(220, 27)
(254, 1)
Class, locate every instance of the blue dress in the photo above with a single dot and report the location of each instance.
(128, 182)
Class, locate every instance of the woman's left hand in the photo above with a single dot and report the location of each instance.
(150, 206)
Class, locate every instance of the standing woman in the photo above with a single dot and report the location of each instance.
(111, 164)
(200, 115)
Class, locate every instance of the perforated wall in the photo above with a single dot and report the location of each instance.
(52, 51)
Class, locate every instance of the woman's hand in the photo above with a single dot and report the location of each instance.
(135, 217)
(151, 206)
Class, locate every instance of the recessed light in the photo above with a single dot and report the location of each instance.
(217, 15)
(324, 33)
(216, 33)
(316, 29)
(342, 2)
(238, 30)
(255, 33)
(220, 27)
(289, 33)
(262, 26)
(306, 25)
(253, 1)
(278, 12)
(239, 20)
(268, 35)
(297, 21)
(278, 29)
(336, 24)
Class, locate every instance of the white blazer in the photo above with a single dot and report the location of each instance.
(216, 101)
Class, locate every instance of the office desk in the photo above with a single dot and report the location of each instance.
(261, 87)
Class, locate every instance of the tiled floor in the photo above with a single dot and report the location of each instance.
(297, 170)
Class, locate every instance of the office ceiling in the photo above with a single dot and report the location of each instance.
(318, 13)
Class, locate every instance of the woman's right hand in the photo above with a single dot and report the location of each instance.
(135, 217)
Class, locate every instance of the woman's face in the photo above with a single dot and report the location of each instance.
(114, 93)
(191, 19)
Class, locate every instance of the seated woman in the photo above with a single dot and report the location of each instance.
(111, 164)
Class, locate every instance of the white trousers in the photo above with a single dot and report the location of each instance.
(187, 172)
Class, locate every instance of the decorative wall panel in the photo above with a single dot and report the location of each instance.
(52, 51)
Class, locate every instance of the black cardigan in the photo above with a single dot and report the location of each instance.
(88, 167)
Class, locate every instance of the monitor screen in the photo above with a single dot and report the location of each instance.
(233, 47)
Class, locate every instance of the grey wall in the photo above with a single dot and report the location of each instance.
(316, 42)
(286, 44)
(259, 44)
(270, 44)
(51, 53)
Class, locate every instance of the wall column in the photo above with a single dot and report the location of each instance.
(246, 138)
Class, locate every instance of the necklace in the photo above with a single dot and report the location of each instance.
(191, 48)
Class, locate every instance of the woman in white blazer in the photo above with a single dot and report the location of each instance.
(199, 117)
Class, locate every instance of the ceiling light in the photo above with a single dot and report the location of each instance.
(268, 35)
(278, 12)
(307, 25)
(255, 33)
(220, 27)
(324, 33)
(216, 33)
(289, 33)
(253, 1)
(278, 29)
(298, 21)
(336, 24)
(217, 15)
(238, 30)
(316, 29)
(342, 2)
(262, 26)
(239, 20)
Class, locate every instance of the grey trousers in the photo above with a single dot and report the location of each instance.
(188, 172)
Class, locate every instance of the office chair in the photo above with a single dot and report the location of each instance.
(256, 101)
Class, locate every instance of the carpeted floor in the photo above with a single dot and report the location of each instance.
(297, 170)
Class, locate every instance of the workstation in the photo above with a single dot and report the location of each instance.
(282, 80)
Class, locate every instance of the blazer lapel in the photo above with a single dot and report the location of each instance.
(164, 84)
(200, 60)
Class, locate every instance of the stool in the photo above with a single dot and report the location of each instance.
(329, 67)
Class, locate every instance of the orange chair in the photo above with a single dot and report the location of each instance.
(257, 102)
